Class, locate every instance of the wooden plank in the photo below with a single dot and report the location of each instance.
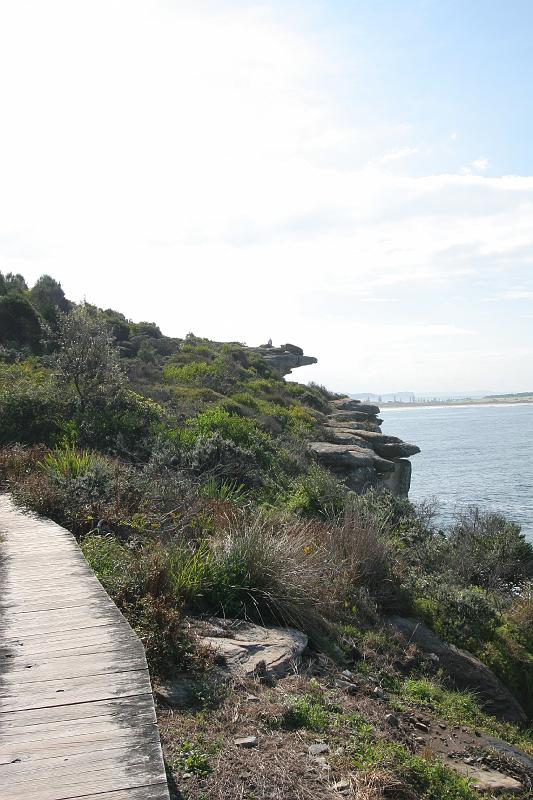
(77, 718)
(158, 792)
(56, 719)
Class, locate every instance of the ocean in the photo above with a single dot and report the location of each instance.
(481, 455)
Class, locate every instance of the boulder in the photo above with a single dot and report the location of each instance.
(466, 671)
(243, 648)
(342, 457)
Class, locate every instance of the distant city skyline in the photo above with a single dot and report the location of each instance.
(355, 177)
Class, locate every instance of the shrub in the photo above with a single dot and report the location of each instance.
(307, 712)
(465, 616)
(489, 551)
(316, 493)
(122, 423)
(241, 431)
(268, 570)
(141, 585)
(33, 409)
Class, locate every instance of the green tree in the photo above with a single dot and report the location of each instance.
(15, 283)
(88, 356)
(19, 323)
(49, 299)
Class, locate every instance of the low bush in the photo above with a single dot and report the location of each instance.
(316, 493)
(487, 550)
(141, 585)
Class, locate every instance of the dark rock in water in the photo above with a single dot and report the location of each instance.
(466, 671)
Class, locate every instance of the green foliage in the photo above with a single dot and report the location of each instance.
(67, 462)
(87, 356)
(33, 408)
(464, 616)
(121, 422)
(460, 708)
(19, 323)
(317, 493)
(489, 551)
(307, 711)
(227, 491)
(141, 585)
(240, 430)
(48, 298)
(192, 760)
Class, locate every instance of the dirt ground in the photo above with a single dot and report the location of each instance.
(206, 761)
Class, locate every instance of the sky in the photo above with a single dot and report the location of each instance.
(352, 176)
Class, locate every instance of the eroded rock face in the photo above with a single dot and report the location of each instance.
(359, 453)
(466, 671)
(285, 358)
(243, 648)
(349, 456)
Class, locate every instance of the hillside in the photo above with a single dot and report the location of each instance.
(310, 633)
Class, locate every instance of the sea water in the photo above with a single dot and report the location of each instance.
(471, 455)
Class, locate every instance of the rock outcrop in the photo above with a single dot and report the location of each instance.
(358, 453)
(352, 445)
(242, 648)
(465, 670)
(285, 358)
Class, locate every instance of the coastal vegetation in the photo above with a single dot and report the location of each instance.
(182, 466)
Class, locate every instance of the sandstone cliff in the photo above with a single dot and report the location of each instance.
(352, 445)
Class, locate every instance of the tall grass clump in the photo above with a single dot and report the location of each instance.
(67, 462)
(271, 571)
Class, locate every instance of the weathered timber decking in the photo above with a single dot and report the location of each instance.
(77, 718)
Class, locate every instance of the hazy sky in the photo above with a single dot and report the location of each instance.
(355, 177)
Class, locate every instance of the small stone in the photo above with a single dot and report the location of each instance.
(378, 693)
(252, 698)
(420, 739)
(246, 741)
(317, 749)
(392, 719)
(422, 727)
(343, 787)
(349, 676)
(442, 726)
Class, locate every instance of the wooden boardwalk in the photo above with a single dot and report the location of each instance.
(77, 718)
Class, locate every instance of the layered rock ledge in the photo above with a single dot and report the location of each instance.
(357, 452)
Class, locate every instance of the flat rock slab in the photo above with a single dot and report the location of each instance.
(487, 780)
(244, 648)
(349, 456)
